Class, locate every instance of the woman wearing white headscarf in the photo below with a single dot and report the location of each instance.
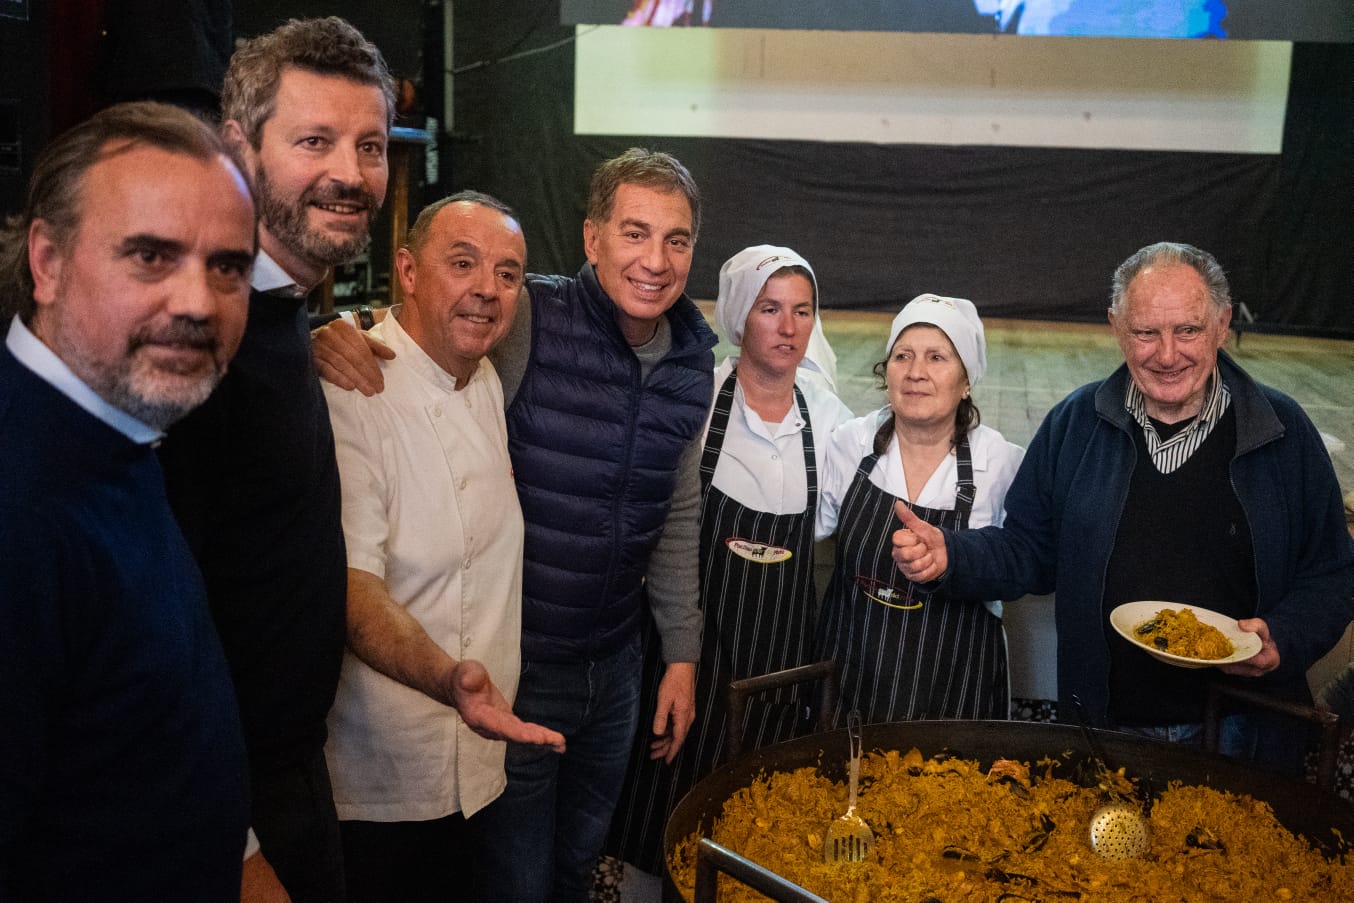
(904, 652)
(764, 450)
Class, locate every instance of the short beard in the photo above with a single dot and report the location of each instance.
(160, 414)
(286, 221)
(140, 390)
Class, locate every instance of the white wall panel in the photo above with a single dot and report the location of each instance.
(895, 88)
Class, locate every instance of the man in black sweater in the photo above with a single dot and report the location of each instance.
(252, 474)
(122, 768)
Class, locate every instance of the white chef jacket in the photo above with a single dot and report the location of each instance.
(429, 505)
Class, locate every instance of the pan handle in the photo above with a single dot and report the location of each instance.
(739, 691)
(1327, 721)
(711, 859)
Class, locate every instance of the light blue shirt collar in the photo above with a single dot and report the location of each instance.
(269, 277)
(29, 350)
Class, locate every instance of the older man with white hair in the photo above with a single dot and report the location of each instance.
(1176, 478)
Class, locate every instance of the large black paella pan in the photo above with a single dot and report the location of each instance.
(1321, 817)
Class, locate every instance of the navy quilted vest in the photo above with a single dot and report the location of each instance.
(595, 457)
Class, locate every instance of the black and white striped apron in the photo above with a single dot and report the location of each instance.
(904, 653)
(758, 605)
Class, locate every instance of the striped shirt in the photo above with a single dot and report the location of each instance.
(1169, 454)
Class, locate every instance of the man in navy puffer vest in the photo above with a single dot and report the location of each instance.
(604, 426)
(607, 378)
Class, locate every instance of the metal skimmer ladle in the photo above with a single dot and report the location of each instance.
(1119, 830)
(849, 838)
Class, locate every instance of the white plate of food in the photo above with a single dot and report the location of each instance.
(1184, 635)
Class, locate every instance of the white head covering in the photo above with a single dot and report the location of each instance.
(741, 280)
(819, 355)
(957, 318)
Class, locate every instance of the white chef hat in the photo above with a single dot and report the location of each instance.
(957, 318)
(741, 280)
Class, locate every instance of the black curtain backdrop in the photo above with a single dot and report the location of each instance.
(1310, 261)
(1024, 232)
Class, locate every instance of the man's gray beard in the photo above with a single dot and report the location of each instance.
(159, 415)
(138, 392)
(136, 387)
(287, 223)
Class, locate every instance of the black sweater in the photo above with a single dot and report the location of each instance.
(253, 480)
(122, 771)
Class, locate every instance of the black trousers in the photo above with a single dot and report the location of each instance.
(298, 830)
(409, 861)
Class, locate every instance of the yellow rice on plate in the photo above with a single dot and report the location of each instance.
(1182, 633)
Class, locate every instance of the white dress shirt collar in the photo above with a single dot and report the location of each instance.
(30, 351)
(270, 278)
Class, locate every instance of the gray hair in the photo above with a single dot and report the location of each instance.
(648, 169)
(54, 190)
(328, 46)
(1169, 253)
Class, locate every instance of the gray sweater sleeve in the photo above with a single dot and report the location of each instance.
(673, 581)
(511, 355)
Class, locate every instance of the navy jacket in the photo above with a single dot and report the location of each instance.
(1063, 510)
(122, 767)
(595, 453)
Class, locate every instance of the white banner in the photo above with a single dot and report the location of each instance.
(900, 88)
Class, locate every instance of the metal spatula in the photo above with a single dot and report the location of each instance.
(849, 839)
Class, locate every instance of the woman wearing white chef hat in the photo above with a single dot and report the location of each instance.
(904, 652)
(764, 451)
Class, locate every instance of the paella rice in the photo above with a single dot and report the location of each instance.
(1182, 633)
(948, 832)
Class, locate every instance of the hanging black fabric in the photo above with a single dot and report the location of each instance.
(1310, 259)
(1024, 232)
